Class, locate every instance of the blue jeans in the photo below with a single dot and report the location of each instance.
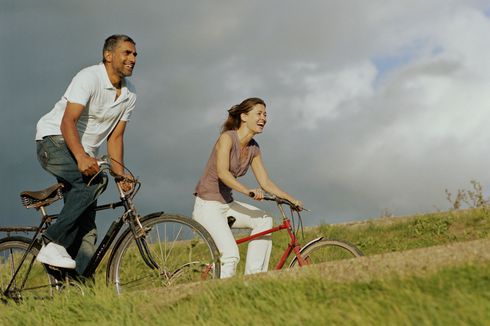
(75, 227)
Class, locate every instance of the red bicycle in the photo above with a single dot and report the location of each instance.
(316, 251)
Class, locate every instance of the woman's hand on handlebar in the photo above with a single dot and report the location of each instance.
(298, 204)
(257, 194)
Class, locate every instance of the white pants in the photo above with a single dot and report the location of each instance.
(213, 216)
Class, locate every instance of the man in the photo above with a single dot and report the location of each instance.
(95, 108)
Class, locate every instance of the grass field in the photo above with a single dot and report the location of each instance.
(430, 269)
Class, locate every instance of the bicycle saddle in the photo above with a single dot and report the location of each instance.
(43, 194)
(231, 220)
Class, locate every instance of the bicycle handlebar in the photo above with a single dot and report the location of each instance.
(278, 200)
(104, 160)
(105, 163)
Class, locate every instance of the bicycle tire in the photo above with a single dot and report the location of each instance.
(323, 250)
(182, 248)
(33, 280)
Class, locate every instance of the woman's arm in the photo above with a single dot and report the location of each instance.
(267, 184)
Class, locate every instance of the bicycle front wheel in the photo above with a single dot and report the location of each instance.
(324, 250)
(32, 280)
(182, 249)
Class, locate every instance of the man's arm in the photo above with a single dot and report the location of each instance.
(86, 164)
(115, 147)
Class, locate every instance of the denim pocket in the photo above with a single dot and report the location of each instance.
(42, 153)
(53, 154)
(57, 141)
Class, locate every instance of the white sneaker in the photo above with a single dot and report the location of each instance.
(55, 255)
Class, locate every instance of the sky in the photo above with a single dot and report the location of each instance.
(374, 107)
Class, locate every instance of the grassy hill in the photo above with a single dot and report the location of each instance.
(431, 269)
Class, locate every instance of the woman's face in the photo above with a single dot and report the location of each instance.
(255, 119)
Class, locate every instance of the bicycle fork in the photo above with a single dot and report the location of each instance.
(139, 234)
(138, 231)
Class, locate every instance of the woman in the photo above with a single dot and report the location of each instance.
(234, 151)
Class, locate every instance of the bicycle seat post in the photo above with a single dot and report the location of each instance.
(44, 214)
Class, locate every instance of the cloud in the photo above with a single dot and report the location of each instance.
(371, 105)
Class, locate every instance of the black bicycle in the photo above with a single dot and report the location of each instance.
(144, 252)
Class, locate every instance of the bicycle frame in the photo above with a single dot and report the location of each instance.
(108, 239)
(111, 236)
(293, 245)
(129, 216)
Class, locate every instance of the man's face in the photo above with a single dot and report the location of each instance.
(123, 58)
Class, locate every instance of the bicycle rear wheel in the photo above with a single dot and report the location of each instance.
(183, 250)
(32, 281)
(324, 250)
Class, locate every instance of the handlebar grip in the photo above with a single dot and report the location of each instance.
(266, 196)
(103, 160)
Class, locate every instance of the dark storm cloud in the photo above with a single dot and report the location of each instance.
(348, 133)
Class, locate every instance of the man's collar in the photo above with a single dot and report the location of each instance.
(107, 81)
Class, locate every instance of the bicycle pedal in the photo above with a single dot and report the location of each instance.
(59, 269)
(54, 271)
(50, 268)
(60, 273)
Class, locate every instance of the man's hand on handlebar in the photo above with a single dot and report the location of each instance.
(126, 182)
(87, 165)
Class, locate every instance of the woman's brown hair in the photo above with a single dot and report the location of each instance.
(234, 120)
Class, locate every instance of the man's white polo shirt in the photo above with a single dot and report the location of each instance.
(92, 88)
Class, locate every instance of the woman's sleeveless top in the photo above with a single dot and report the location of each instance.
(209, 186)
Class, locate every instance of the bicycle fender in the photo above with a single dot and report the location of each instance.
(304, 248)
(151, 215)
(21, 239)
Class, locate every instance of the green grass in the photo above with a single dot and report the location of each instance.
(450, 297)
(397, 234)
(453, 295)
